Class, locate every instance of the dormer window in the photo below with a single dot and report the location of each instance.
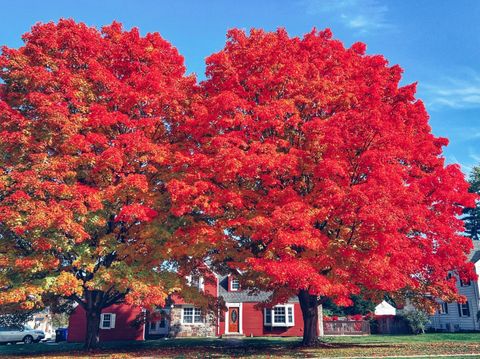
(234, 285)
(195, 282)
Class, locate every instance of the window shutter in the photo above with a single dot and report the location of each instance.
(290, 318)
(267, 315)
(459, 309)
(112, 320)
(101, 321)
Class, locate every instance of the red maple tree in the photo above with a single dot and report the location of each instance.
(319, 176)
(88, 124)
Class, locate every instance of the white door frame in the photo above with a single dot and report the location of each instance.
(158, 330)
(240, 317)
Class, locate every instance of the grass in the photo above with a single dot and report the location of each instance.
(455, 345)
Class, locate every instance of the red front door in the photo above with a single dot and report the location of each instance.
(233, 320)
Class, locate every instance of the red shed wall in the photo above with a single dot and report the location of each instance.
(124, 330)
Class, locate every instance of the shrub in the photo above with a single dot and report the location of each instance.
(417, 321)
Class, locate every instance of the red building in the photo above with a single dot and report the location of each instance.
(117, 322)
(245, 315)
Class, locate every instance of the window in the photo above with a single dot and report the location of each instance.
(443, 308)
(162, 323)
(107, 321)
(464, 309)
(279, 316)
(235, 284)
(195, 281)
(192, 316)
(464, 283)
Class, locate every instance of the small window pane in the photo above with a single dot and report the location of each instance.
(279, 315)
(107, 319)
(198, 316)
(235, 284)
(188, 315)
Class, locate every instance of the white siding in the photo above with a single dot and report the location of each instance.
(452, 321)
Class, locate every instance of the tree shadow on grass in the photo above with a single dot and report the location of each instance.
(195, 348)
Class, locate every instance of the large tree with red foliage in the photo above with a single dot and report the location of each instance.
(88, 123)
(319, 174)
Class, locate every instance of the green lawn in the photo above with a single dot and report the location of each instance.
(457, 345)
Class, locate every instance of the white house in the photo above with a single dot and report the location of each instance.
(454, 317)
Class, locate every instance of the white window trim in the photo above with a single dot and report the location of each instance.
(193, 316)
(272, 316)
(231, 285)
(460, 312)
(442, 307)
(112, 320)
(201, 282)
(240, 314)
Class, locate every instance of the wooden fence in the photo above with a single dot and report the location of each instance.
(346, 327)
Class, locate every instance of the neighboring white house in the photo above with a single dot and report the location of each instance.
(42, 321)
(385, 308)
(454, 317)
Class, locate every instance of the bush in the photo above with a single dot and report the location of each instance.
(417, 321)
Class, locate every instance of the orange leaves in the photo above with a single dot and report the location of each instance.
(146, 295)
(25, 263)
(88, 132)
(66, 284)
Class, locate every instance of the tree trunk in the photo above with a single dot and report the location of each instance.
(93, 310)
(309, 304)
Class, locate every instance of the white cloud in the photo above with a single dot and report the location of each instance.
(361, 15)
(459, 92)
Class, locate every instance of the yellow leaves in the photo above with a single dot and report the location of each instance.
(66, 284)
(27, 295)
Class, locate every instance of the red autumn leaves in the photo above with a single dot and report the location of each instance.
(297, 160)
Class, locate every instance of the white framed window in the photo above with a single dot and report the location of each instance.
(234, 285)
(443, 308)
(107, 320)
(191, 315)
(464, 309)
(464, 283)
(196, 282)
(279, 316)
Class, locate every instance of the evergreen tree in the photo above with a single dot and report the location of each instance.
(472, 215)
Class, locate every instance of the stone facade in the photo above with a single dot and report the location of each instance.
(178, 329)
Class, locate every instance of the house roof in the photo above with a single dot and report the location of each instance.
(474, 255)
(241, 296)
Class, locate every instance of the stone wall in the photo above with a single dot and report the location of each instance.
(177, 329)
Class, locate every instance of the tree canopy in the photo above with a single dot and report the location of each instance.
(299, 162)
(320, 172)
(88, 128)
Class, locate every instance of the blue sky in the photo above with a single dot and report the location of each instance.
(437, 43)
